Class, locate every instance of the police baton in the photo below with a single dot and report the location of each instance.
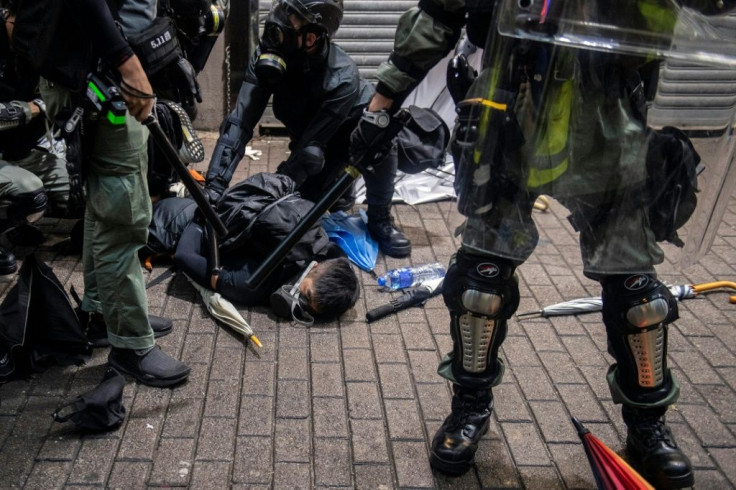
(172, 156)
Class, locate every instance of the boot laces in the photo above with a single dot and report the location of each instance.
(652, 430)
(463, 409)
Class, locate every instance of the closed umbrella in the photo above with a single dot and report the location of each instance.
(595, 303)
(610, 471)
(224, 311)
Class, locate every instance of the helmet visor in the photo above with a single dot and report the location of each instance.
(658, 28)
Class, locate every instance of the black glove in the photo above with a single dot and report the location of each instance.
(184, 79)
(372, 138)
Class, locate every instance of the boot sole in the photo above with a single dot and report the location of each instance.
(150, 380)
(398, 253)
(683, 481)
(455, 468)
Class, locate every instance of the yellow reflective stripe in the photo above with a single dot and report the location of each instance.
(539, 177)
(659, 18)
(551, 157)
(488, 103)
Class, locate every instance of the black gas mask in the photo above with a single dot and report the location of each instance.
(279, 43)
(287, 301)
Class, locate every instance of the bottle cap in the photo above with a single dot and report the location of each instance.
(381, 281)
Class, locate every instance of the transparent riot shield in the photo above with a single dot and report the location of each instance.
(621, 111)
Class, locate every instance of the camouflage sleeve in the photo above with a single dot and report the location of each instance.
(424, 35)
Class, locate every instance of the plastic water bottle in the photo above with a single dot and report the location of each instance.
(407, 277)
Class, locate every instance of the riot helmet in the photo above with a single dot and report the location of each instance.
(282, 41)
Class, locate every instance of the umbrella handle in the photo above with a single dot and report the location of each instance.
(708, 286)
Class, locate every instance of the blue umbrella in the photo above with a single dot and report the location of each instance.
(350, 232)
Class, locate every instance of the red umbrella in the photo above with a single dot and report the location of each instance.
(611, 472)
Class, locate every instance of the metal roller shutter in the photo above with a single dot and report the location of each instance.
(694, 97)
(366, 33)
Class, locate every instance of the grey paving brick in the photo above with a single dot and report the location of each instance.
(129, 474)
(388, 348)
(541, 335)
(292, 441)
(403, 419)
(358, 365)
(424, 366)
(395, 381)
(256, 415)
(494, 464)
(561, 368)
(573, 465)
(210, 474)
(540, 477)
(364, 401)
(707, 425)
(216, 439)
(412, 464)
(332, 465)
(48, 474)
(227, 364)
(695, 367)
(139, 440)
(722, 399)
(173, 462)
(327, 379)
(355, 336)
(582, 402)
(434, 400)
(373, 477)
(417, 336)
(527, 447)
(94, 461)
(518, 352)
(293, 363)
(554, 422)
(726, 460)
(292, 475)
(508, 405)
(61, 445)
(183, 418)
(330, 417)
(369, 441)
(253, 460)
(534, 383)
(198, 348)
(259, 378)
(293, 399)
(324, 347)
(194, 387)
(222, 398)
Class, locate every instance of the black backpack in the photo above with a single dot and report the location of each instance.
(673, 166)
(261, 211)
(38, 325)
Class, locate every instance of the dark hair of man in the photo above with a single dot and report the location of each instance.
(336, 288)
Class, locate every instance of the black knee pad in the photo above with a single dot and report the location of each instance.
(636, 311)
(28, 206)
(481, 294)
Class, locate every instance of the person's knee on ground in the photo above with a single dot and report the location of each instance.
(481, 293)
(20, 210)
(637, 309)
(391, 240)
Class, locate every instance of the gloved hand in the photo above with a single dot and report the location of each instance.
(372, 138)
(184, 79)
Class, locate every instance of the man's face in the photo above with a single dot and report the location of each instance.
(307, 287)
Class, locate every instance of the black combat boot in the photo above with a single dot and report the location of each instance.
(653, 451)
(391, 240)
(454, 444)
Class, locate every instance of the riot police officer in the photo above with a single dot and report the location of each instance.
(319, 96)
(556, 110)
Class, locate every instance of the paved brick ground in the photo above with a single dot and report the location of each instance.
(352, 405)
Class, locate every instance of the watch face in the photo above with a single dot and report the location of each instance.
(382, 120)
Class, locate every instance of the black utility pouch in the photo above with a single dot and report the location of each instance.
(157, 45)
(99, 410)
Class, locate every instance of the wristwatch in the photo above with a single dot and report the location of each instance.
(380, 118)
